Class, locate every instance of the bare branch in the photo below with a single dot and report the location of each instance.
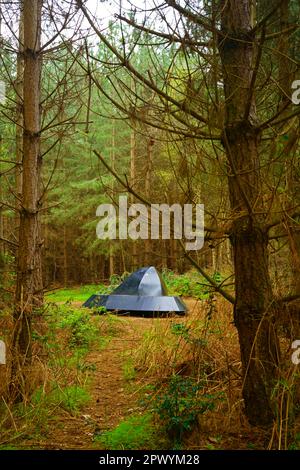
(216, 286)
(9, 242)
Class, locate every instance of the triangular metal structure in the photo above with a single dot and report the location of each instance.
(142, 292)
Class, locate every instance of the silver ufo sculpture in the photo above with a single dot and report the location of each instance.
(142, 292)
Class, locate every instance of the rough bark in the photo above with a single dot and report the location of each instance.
(19, 108)
(29, 280)
(148, 182)
(112, 162)
(65, 245)
(134, 253)
(254, 306)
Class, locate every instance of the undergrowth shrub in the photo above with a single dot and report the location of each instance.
(190, 284)
(78, 322)
(179, 402)
(166, 345)
(186, 363)
(61, 374)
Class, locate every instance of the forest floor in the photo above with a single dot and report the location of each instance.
(135, 377)
(116, 389)
(113, 398)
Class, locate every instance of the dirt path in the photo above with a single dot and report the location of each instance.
(113, 397)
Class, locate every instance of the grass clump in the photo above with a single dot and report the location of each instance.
(136, 432)
(71, 398)
(129, 371)
(77, 293)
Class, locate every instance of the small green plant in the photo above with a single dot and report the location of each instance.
(180, 329)
(184, 331)
(251, 445)
(134, 433)
(295, 445)
(178, 404)
(210, 447)
(115, 280)
(77, 361)
(82, 331)
(100, 310)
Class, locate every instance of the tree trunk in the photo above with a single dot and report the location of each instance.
(29, 280)
(65, 257)
(148, 179)
(112, 163)
(134, 262)
(254, 305)
(19, 108)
